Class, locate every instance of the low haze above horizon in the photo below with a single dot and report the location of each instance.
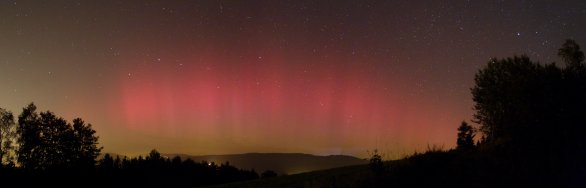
(224, 77)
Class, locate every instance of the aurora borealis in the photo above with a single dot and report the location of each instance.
(217, 77)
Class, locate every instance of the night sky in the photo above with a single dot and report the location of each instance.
(319, 77)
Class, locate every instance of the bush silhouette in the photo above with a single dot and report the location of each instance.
(376, 163)
(465, 137)
(268, 174)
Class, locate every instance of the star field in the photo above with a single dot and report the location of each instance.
(320, 77)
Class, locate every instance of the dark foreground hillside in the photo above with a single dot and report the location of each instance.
(432, 169)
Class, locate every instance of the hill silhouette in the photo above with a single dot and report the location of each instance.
(282, 163)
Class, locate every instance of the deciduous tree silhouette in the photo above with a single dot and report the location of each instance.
(571, 53)
(29, 140)
(154, 155)
(56, 138)
(85, 144)
(504, 96)
(7, 137)
(49, 142)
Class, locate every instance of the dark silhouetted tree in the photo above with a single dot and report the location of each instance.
(465, 137)
(29, 140)
(107, 162)
(571, 53)
(125, 163)
(154, 155)
(176, 161)
(56, 138)
(117, 162)
(155, 162)
(7, 137)
(504, 94)
(85, 144)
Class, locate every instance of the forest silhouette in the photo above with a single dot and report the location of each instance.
(529, 132)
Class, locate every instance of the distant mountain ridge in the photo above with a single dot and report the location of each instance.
(282, 163)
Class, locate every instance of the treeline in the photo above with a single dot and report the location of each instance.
(42, 149)
(155, 170)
